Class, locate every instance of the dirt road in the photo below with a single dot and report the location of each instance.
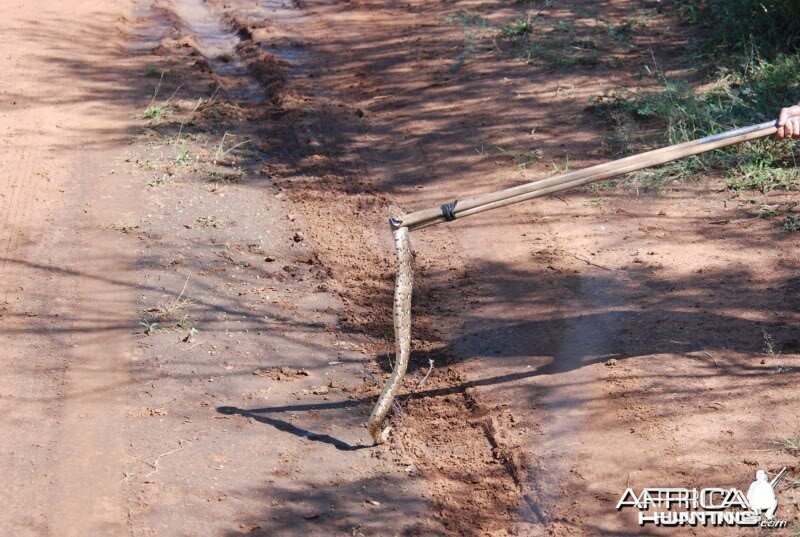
(196, 277)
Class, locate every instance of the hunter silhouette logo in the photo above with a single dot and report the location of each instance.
(713, 506)
(761, 494)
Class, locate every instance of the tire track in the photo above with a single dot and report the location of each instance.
(14, 210)
(464, 449)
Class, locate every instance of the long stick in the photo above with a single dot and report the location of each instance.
(403, 225)
(485, 202)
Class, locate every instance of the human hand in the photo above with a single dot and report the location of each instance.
(789, 123)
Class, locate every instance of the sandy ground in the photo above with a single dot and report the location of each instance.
(197, 275)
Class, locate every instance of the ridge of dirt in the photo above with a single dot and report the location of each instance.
(335, 189)
(479, 488)
(253, 338)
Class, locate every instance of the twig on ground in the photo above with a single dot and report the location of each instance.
(195, 345)
(173, 94)
(419, 384)
(184, 288)
(155, 462)
(180, 130)
(397, 408)
(588, 261)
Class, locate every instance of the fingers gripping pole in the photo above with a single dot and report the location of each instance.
(402, 335)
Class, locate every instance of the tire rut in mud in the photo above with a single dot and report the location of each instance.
(466, 451)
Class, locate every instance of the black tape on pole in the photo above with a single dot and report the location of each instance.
(448, 211)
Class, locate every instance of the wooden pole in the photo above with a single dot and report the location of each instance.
(404, 224)
(542, 187)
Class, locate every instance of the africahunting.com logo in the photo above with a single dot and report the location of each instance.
(713, 506)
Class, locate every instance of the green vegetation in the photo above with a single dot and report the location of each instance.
(556, 45)
(471, 24)
(791, 223)
(752, 47)
(152, 71)
(767, 211)
(149, 327)
(624, 30)
(564, 25)
(517, 28)
(160, 181)
(562, 51)
(464, 19)
(155, 112)
(183, 157)
(595, 202)
(523, 159)
(770, 27)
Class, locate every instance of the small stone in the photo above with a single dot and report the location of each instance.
(299, 237)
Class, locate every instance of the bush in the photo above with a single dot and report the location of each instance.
(770, 27)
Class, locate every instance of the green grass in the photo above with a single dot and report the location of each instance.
(770, 27)
(183, 157)
(152, 71)
(678, 113)
(517, 28)
(564, 25)
(763, 175)
(558, 44)
(471, 25)
(522, 159)
(149, 327)
(602, 186)
(791, 223)
(562, 52)
(595, 202)
(467, 20)
(624, 30)
(155, 113)
(751, 52)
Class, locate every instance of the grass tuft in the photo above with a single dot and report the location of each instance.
(517, 28)
(466, 20)
(155, 113)
(153, 71)
(791, 223)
